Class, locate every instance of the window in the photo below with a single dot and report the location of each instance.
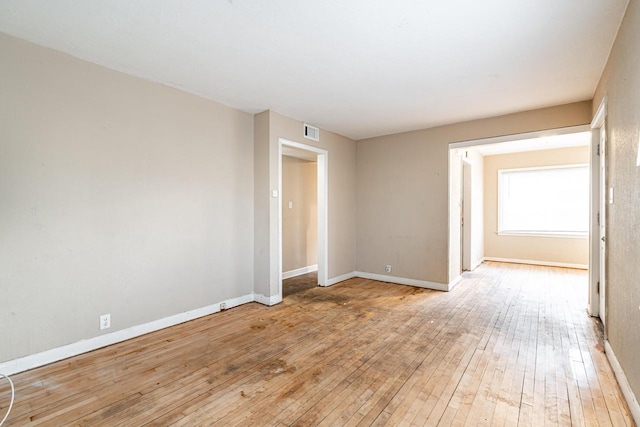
(544, 201)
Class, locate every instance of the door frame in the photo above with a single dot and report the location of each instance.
(322, 158)
(597, 246)
(467, 217)
(454, 147)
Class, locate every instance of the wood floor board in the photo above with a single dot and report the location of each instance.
(406, 398)
(510, 345)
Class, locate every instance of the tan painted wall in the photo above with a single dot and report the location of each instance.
(117, 196)
(562, 250)
(262, 204)
(300, 221)
(621, 84)
(402, 189)
(341, 203)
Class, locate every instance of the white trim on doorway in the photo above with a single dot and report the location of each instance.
(596, 216)
(322, 158)
(520, 136)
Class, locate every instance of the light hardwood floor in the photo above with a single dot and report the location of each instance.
(510, 345)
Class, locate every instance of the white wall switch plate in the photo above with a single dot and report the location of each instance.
(610, 195)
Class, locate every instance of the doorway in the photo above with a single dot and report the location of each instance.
(299, 221)
(501, 233)
(312, 222)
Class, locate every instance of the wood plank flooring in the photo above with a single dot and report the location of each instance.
(510, 345)
(294, 285)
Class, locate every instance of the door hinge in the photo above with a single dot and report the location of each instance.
(598, 287)
(598, 149)
(598, 218)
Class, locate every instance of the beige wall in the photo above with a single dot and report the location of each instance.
(533, 248)
(270, 126)
(262, 205)
(620, 83)
(402, 189)
(299, 213)
(117, 196)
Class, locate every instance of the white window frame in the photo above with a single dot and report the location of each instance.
(502, 232)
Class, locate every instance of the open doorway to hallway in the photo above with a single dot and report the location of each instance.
(302, 222)
(299, 222)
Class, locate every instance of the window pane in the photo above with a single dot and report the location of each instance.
(545, 200)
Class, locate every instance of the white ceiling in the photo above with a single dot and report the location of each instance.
(360, 68)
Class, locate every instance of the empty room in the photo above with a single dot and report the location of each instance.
(295, 213)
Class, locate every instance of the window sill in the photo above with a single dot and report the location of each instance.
(543, 234)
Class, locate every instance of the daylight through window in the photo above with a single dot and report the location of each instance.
(545, 201)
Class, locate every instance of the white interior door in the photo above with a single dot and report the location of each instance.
(602, 225)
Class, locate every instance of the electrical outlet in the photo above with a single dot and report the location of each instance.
(223, 306)
(105, 321)
(387, 269)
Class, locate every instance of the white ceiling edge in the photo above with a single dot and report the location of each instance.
(360, 69)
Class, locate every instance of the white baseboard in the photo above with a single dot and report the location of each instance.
(477, 263)
(404, 281)
(394, 279)
(59, 353)
(454, 282)
(627, 392)
(534, 262)
(299, 271)
(340, 278)
(263, 299)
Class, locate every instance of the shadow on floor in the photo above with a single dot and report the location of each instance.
(300, 283)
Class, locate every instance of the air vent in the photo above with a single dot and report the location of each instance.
(311, 132)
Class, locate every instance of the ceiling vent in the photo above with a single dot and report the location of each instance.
(311, 132)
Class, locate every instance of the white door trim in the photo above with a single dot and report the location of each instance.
(519, 136)
(322, 157)
(467, 217)
(596, 264)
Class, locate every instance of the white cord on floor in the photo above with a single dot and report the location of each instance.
(13, 395)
